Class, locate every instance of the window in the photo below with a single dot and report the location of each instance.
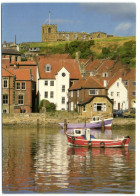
(118, 94)
(134, 83)
(51, 94)
(93, 92)
(71, 93)
(47, 68)
(46, 94)
(63, 74)
(23, 111)
(49, 30)
(134, 93)
(78, 131)
(63, 88)
(5, 83)
(117, 84)
(46, 83)
(18, 86)
(23, 85)
(51, 83)
(63, 100)
(4, 111)
(78, 93)
(112, 93)
(105, 74)
(84, 108)
(5, 99)
(20, 99)
(125, 83)
(100, 107)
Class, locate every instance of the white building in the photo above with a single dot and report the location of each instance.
(118, 92)
(54, 77)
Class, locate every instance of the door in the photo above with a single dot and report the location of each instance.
(118, 106)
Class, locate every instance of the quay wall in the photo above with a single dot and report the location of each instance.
(52, 119)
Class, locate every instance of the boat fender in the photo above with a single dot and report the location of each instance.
(102, 144)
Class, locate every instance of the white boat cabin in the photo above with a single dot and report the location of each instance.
(82, 132)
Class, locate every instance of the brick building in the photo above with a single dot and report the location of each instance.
(129, 81)
(17, 90)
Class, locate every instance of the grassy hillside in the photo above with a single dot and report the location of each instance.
(112, 48)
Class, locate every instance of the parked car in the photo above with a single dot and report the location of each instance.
(117, 113)
(130, 113)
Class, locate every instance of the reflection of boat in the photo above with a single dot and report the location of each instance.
(96, 123)
(97, 151)
(83, 137)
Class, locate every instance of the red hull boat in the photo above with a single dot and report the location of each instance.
(82, 137)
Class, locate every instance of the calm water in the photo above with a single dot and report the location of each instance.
(42, 162)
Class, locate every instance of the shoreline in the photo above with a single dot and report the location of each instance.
(33, 120)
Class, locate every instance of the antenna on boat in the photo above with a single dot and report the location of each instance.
(85, 122)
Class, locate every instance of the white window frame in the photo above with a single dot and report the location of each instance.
(63, 100)
(20, 100)
(117, 84)
(22, 86)
(84, 108)
(46, 93)
(112, 94)
(96, 92)
(5, 80)
(63, 88)
(6, 100)
(105, 74)
(118, 94)
(52, 83)
(48, 68)
(51, 94)
(17, 86)
(46, 82)
(102, 105)
(125, 82)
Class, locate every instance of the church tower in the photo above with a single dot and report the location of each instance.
(49, 32)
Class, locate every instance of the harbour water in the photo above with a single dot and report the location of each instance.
(42, 162)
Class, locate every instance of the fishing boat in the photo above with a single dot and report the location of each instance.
(95, 123)
(83, 137)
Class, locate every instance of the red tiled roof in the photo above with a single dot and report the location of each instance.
(130, 74)
(60, 56)
(5, 62)
(70, 64)
(6, 73)
(114, 78)
(106, 64)
(21, 74)
(90, 82)
(93, 65)
(23, 63)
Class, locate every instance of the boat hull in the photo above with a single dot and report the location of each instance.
(97, 143)
(91, 125)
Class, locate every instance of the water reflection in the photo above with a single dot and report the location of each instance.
(42, 162)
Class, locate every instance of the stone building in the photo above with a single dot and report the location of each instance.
(50, 33)
(89, 97)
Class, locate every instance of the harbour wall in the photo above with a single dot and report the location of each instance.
(52, 120)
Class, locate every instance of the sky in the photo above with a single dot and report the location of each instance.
(26, 19)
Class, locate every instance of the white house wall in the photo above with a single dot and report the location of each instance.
(57, 89)
(122, 99)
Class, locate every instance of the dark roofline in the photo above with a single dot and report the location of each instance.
(84, 103)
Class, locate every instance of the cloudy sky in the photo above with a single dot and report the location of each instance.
(25, 19)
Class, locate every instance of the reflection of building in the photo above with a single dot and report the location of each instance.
(50, 33)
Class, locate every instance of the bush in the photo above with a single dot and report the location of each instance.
(49, 106)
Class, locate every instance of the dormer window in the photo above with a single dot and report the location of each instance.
(48, 68)
(105, 74)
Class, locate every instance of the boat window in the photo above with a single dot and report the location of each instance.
(77, 131)
(94, 119)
